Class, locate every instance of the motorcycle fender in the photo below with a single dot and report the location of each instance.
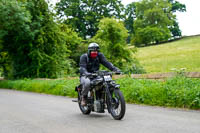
(116, 86)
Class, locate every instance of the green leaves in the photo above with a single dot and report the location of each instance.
(150, 35)
(35, 43)
(84, 15)
(14, 21)
(153, 20)
(112, 37)
(130, 18)
(176, 6)
(38, 45)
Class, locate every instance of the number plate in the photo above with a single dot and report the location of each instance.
(107, 78)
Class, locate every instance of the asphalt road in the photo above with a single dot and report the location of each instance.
(24, 112)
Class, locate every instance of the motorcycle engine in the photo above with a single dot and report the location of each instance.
(98, 87)
(97, 105)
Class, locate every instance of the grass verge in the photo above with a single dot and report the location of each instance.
(175, 92)
(55, 87)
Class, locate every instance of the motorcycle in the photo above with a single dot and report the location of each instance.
(104, 94)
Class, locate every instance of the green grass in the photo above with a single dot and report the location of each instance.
(184, 53)
(176, 92)
(55, 87)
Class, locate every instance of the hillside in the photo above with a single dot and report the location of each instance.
(183, 53)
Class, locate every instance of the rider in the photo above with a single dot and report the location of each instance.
(89, 63)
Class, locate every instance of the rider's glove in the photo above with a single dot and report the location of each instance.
(116, 70)
(87, 73)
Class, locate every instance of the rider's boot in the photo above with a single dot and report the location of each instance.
(83, 101)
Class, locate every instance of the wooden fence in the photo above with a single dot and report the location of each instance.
(143, 76)
(160, 75)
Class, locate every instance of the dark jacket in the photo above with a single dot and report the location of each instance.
(90, 65)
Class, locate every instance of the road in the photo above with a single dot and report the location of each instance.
(25, 112)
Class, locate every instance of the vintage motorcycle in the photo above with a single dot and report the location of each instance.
(104, 94)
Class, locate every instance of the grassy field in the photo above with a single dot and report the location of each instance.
(184, 53)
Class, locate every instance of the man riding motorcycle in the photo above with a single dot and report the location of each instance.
(89, 63)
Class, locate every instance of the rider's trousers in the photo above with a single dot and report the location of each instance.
(85, 85)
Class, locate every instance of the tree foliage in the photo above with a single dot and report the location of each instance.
(84, 15)
(153, 20)
(14, 29)
(130, 16)
(74, 45)
(112, 38)
(34, 41)
(176, 6)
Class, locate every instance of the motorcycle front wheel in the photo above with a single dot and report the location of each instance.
(118, 105)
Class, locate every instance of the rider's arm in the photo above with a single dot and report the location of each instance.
(83, 64)
(107, 63)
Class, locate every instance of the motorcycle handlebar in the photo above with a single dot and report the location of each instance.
(101, 73)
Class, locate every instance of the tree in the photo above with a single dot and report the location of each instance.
(5, 64)
(74, 45)
(14, 29)
(34, 42)
(153, 20)
(84, 15)
(129, 20)
(176, 6)
(112, 37)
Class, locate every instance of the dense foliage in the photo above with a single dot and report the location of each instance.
(153, 20)
(112, 37)
(176, 6)
(37, 46)
(34, 42)
(15, 32)
(84, 15)
(130, 16)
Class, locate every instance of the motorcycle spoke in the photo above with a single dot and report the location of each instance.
(117, 111)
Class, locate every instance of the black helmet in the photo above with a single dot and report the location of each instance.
(93, 47)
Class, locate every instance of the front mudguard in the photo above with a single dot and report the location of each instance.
(114, 86)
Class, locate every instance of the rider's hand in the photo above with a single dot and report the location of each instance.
(87, 74)
(94, 74)
(117, 71)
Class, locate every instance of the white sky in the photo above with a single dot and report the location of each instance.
(189, 21)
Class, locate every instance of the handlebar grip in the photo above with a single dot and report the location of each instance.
(118, 73)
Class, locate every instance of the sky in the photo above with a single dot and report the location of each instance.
(189, 21)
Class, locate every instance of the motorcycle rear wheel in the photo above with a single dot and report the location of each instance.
(84, 109)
